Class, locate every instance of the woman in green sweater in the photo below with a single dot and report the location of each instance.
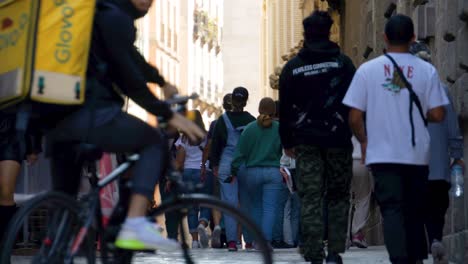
(259, 148)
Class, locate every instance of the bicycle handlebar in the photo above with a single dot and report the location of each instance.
(181, 100)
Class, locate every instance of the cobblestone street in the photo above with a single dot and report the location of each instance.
(373, 255)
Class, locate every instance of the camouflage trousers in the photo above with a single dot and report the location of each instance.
(323, 174)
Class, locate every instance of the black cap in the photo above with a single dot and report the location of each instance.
(240, 94)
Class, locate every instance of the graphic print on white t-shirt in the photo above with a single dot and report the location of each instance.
(393, 81)
(386, 103)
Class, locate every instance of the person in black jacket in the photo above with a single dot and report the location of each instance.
(11, 158)
(314, 130)
(115, 68)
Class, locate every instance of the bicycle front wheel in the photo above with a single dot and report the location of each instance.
(261, 253)
(42, 231)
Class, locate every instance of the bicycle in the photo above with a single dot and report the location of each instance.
(73, 225)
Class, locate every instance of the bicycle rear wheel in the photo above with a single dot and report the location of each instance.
(261, 254)
(43, 230)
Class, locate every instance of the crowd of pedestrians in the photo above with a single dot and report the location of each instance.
(337, 136)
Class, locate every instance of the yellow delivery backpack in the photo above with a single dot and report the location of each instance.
(44, 47)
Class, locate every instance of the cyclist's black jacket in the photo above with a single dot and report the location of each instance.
(115, 60)
(312, 87)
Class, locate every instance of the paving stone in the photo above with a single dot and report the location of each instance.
(372, 255)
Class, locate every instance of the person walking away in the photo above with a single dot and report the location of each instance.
(260, 149)
(398, 101)
(292, 211)
(361, 195)
(227, 132)
(282, 229)
(314, 130)
(216, 215)
(189, 161)
(446, 144)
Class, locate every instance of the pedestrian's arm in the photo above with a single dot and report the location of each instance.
(180, 158)
(218, 143)
(356, 122)
(286, 115)
(206, 152)
(436, 115)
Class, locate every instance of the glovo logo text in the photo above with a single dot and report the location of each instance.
(63, 51)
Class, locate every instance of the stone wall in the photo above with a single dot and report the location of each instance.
(443, 25)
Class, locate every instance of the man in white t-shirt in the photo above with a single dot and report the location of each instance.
(395, 141)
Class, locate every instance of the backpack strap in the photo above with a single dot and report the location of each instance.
(228, 123)
(413, 98)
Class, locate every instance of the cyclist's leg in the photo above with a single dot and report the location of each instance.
(115, 131)
(10, 165)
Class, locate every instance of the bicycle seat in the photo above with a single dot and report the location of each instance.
(88, 152)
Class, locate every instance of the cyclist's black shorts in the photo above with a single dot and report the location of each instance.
(9, 144)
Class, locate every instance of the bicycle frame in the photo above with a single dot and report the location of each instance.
(95, 207)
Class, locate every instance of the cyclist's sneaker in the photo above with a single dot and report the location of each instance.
(438, 253)
(195, 244)
(143, 236)
(202, 235)
(334, 259)
(216, 237)
(232, 246)
(359, 240)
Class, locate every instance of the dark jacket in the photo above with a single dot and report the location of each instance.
(220, 133)
(312, 87)
(115, 62)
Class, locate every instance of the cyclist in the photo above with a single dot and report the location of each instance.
(114, 61)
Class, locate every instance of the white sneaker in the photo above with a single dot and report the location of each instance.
(216, 237)
(202, 235)
(145, 236)
(195, 244)
(438, 253)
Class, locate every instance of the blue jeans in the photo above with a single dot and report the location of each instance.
(292, 219)
(230, 195)
(264, 185)
(278, 227)
(195, 215)
(245, 201)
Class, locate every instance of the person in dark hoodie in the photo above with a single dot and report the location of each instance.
(115, 62)
(314, 130)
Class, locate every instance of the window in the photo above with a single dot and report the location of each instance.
(169, 38)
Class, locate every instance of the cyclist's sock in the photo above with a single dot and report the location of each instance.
(134, 222)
